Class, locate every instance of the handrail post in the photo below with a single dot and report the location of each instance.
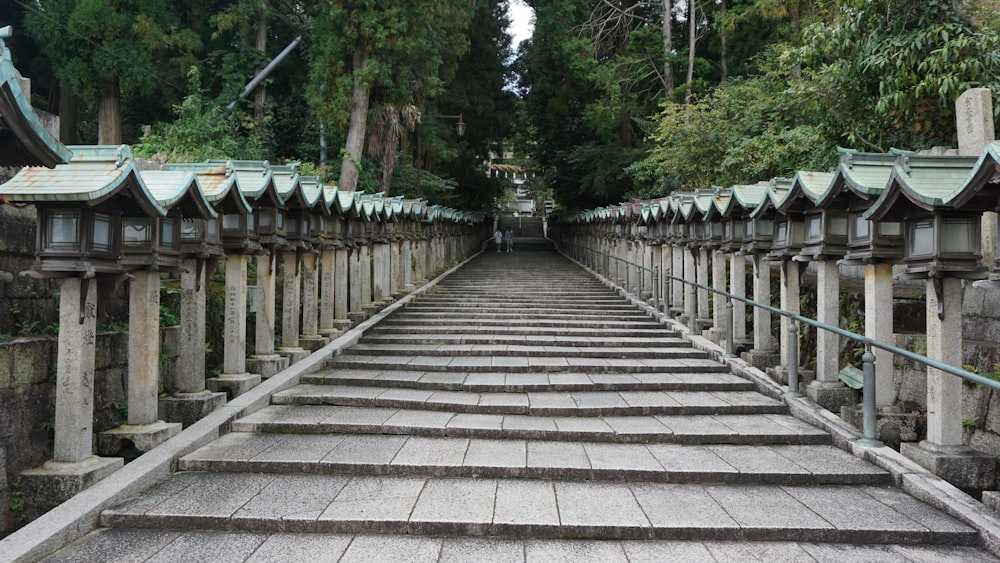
(730, 345)
(868, 397)
(628, 278)
(793, 360)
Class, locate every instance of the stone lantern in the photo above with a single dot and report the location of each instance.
(80, 205)
(941, 245)
(756, 239)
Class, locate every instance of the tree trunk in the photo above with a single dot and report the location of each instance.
(668, 47)
(692, 42)
(68, 118)
(349, 171)
(109, 114)
(261, 44)
(722, 42)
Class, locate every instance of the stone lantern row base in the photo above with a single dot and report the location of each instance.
(143, 437)
(56, 482)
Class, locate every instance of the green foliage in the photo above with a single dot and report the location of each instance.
(120, 411)
(203, 130)
(168, 318)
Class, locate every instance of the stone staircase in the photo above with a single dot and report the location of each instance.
(522, 411)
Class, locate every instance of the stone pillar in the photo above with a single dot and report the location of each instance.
(419, 270)
(690, 292)
(355, 302)
(264, 360)
(291, 308)
(762, 355)
(942, 452)
(74, 429)
(365, 269)
(878, 325)
(974, 110)
(382, 271)
(73, 467)
(718, 331)
(789, 298)
(679, 253)
(667, 260)
(826, 389)
(327, 264)
(396, 268)
(702, 278)
(234, 379)
(191, 401)
(142, 428)
(738, 287)
(341, 283)
(310, 339)
(407, 265)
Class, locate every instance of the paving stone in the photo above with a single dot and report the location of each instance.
(481, 550)
(504, 402)
(496, 453)
(453, 398)
(765, 508)
(290, 498)
(540, 551)
(214, 496)
(365, 450)
(374, 503)
(115, 544)
(315, 548)
(551, 401)
(677, 507)
(298, 449)
(235, 445)
(209, 546)
(739, 552)
(756, 459)
(658, 551)
(392, 549)
(466, 503)
(557, 455)
(531, 505)
(582, 426)
(644, 427)
(431, 452)
(607, 509)
(599, 400)
(634, 457)
(432, 420)
(371, 418)
(405, 395)
(529, 426)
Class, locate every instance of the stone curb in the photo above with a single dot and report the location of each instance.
(79, 515)
(907, 475)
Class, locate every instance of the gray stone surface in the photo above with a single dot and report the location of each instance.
(392, 549)
(315, 548)
(370, 502)
(481, 550)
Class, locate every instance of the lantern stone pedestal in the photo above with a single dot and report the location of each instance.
(188, 408)
(143, 437)
(893, 426)
(831, 395)
(291, 309)
(265, 361)
(961, 466)
(56, 482)
(266, 364)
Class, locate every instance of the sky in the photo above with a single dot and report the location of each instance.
(520, 18)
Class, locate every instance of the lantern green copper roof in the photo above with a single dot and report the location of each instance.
(94, 174)
(178, 188)
(24, 140)
(218, 184)
(979, 190)
(863, 173)
(923, 181)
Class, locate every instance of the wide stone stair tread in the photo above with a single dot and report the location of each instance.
(674, 429)
(501, 507)
(521, 382)
(531, 459)
(552, 350)
(695, 362)
(449, 327)
(493, 321)
(131, 544)
(522, 340)
(577, 403)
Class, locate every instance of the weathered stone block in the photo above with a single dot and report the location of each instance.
(893, 426)
(188, 408)
(55, 482)
(961, 466)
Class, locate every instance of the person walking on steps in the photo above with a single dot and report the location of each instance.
(509, 237)
(498, 238)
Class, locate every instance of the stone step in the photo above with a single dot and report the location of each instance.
(763, 429)
(531, 459)
(509, 312)
(526, 382)
(470, 350)
(493, 323)
(392, 337)
(130, 544)
(577, 403)
(524, 364)
(529, 315)
(521, 508)
(396, 326)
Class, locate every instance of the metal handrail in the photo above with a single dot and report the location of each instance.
(868, 359)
